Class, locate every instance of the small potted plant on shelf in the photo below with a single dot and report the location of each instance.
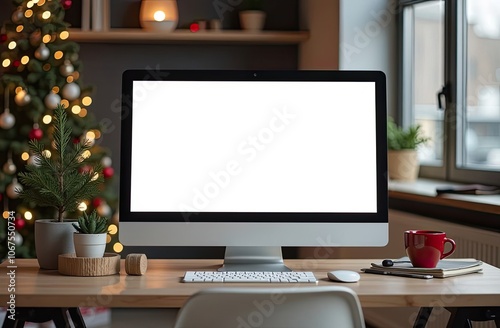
(402, 147)
(90, 238)
(58, 177)
(252, 16)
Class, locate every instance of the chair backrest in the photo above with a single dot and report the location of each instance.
(292, 307)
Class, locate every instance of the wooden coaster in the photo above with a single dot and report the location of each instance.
(71, 265)
(136, 264)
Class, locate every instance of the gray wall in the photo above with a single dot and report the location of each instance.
(368, 40)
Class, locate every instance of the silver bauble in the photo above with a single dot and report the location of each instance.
(52, 100)
(18, 239)
(12, 188)
(71, 91)
(7, 120)
(42, 52)
(106, 161)
(9, 167)
(67, 68)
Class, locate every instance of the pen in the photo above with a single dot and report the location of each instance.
(400, 274)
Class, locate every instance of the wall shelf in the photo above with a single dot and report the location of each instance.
(121, 35)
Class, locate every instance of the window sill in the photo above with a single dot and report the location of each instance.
(420, 197)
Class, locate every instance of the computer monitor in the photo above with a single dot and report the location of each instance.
(253, 160)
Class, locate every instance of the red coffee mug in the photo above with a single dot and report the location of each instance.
(425, 248)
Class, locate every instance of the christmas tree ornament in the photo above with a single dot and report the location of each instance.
(71, 91)
(96, 202)
(12, 188)
(7, 120)
(42, 52)
(9, 167)
(66, 4)
(3, 38)
(19, 223)
(108, 172)
(67, 68)
(52, 100)
(17, 16)
(22, 98)
(18, 239)
(106, 161)
(36, 132)
(36, 38)
(33, 160)
(104, 210)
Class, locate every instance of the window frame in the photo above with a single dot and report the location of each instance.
(455, 78)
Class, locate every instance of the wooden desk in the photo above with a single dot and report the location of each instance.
(161, 286)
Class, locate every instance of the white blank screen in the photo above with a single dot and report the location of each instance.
(253, 147)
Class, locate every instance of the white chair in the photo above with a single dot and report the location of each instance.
(292, 307)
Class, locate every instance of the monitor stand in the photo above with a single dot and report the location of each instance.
(253, 258)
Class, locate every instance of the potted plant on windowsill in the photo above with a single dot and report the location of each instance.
(57, 179)
(252, 17)
(90, 238)
(402, 154)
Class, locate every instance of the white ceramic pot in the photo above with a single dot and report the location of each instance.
(403, 164)
(52, 238)
(252, 20)
(90, 245)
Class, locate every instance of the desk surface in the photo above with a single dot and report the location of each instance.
(161, 286)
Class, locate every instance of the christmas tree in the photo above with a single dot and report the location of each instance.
(40, 69)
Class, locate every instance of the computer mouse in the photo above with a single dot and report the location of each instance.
(344, 276)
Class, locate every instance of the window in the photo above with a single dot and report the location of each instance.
(450, 53)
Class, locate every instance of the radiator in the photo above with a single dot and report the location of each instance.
(471, 243)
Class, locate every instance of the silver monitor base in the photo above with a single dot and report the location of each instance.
(250, 258)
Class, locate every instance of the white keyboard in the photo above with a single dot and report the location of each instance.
(253, 276)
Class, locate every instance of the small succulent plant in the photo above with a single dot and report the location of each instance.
(91, 224)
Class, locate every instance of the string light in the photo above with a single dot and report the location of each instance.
(25, 60)
(90, 135)
(83, 113)
(46, 38)
(58, 54)
(28, 13)
(46, 14)
(55, 89)
(64, 35)
(117, 247)
(69, 79)
(82, 207)
(46, 153)
(19, 28)
(28, 215)
(86, 154)
(25, 156)
(76, 109)
(30, 4)
(86, 101)
(65, 103)
(6, 62)
(19, 89)
(41, 3)
(12, 45)
(46, 67)
(112, 229)
(47, 119)
(95, 176)
(5, 214)
(108, 239)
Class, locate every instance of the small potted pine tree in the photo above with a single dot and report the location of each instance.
(59, 177)
(402, 147)
(90, 238)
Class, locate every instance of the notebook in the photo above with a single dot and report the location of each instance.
(445, 268)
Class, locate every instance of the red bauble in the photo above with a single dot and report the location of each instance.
(19, 223)
(194, 27)
(108, 172)
(66, 4)
(17, 63)
(85, 169)
(76, 140)
(96, 202)
(36, 134)
(3, 38)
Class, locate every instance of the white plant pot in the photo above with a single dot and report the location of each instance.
(252, 20)
(53, 238)
(90, 245)
(403, 164)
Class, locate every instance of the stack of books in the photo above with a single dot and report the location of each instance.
(445, 268)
